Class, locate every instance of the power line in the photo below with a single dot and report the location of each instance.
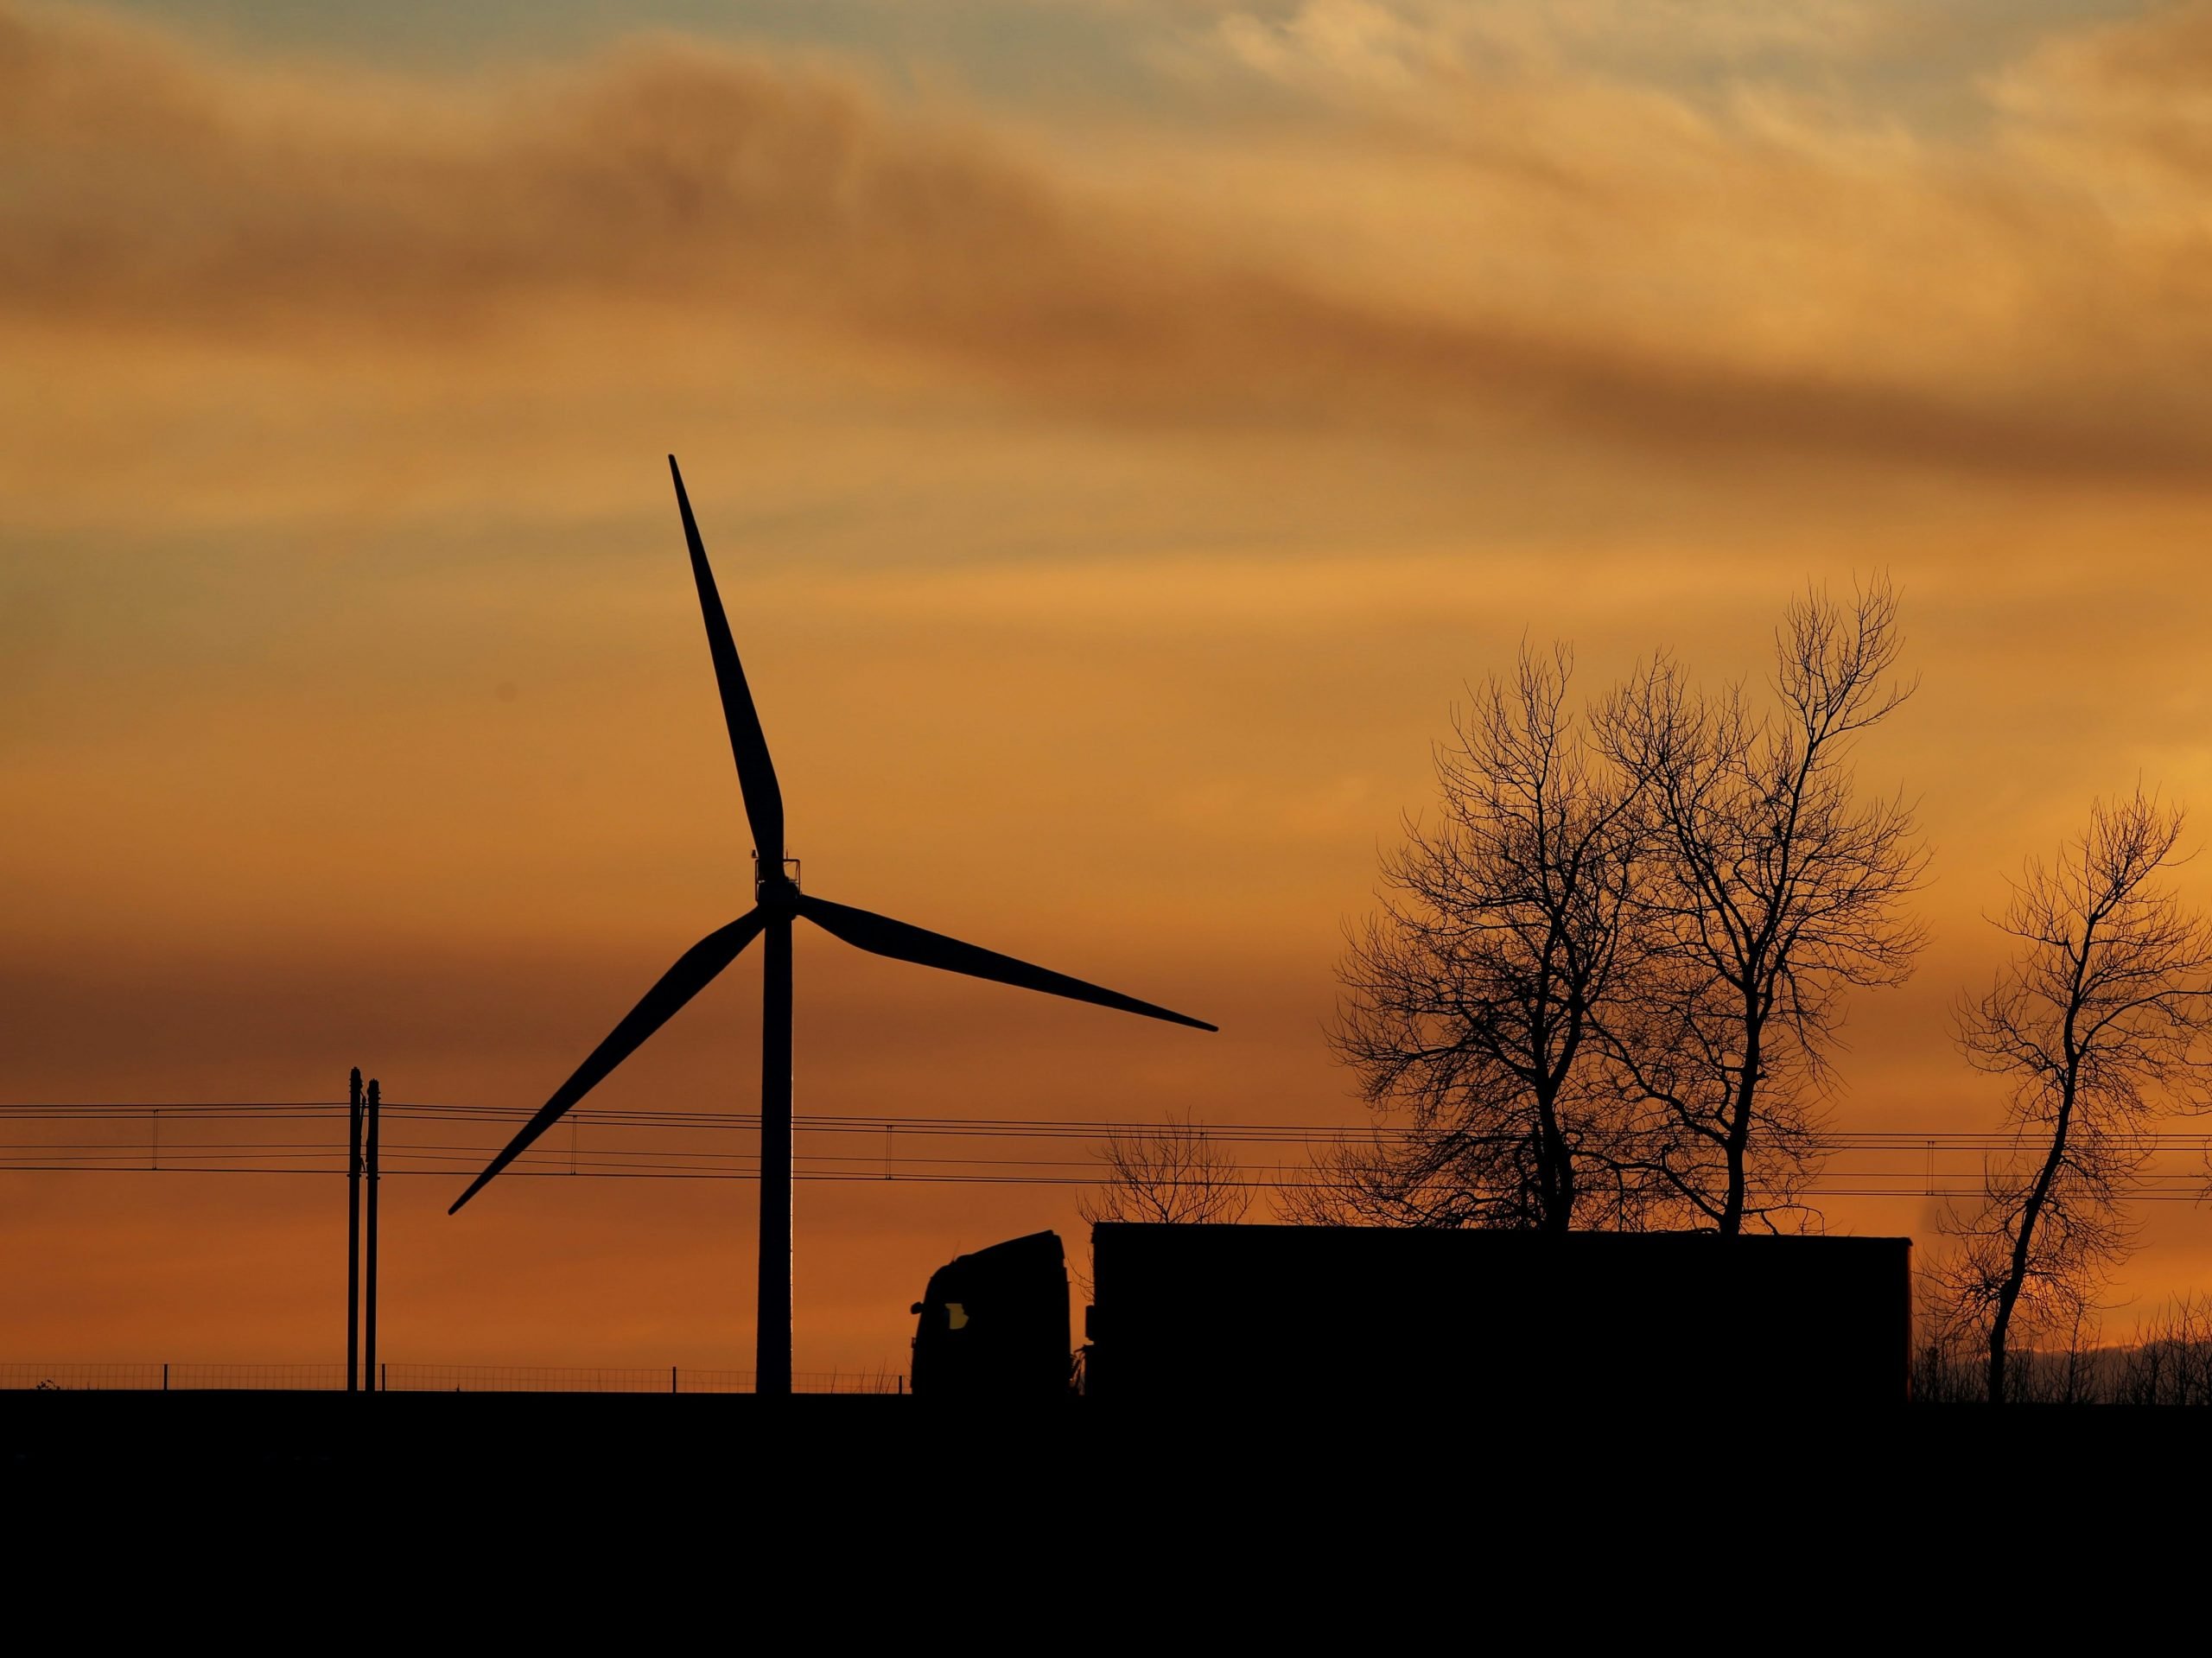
(1898, 1138)
(929, 1150)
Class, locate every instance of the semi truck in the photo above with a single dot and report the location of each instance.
(1523, 1320)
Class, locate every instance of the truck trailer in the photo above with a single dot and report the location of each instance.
(1354, 1315)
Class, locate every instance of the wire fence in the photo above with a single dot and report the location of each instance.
(424, 1378)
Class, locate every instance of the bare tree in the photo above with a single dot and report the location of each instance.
(1352, 1182)
(1176, 1173)
(1475, 995)
(1771, 889)
(2100, 1021)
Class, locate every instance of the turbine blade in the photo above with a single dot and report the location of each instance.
(865, 930)
(756, 772)
(694, 970)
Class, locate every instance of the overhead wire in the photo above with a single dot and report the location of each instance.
(923, 1157)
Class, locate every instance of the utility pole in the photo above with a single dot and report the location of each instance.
(353, 1240)
(376, 1173)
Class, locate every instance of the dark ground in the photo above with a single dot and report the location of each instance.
(638, 1520)
(910, 1450)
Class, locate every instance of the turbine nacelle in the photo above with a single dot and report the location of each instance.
(776, 890)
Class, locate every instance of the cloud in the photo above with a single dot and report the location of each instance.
(1767, 282)
(173, 188)
(2120, 99)
(1356, 41)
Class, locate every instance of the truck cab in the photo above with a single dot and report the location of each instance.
(994, 1325)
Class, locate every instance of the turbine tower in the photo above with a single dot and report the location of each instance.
(778, 903)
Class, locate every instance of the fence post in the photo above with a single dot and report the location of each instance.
(383, 1378)
(165, 1377)
(671, 1378)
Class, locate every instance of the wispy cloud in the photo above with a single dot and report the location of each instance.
(1771, 279)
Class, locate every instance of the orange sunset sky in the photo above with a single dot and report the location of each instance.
(1121, 427)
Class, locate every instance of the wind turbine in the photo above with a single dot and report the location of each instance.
(778, 903)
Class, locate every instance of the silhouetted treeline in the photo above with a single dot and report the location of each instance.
(2167, 1361)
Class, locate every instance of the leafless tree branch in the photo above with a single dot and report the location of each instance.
(2100, 1020)
(1473, 999)
(1769, 888)
(1175, 1174)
